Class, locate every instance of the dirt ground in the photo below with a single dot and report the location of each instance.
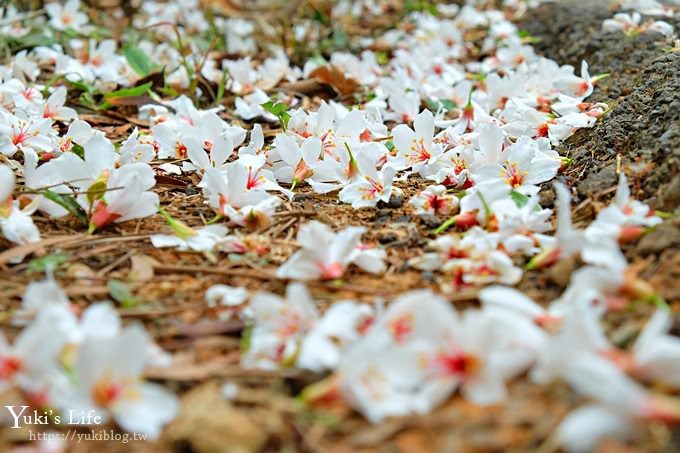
(641, 133)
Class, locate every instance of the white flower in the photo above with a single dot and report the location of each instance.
(415, 149)
(621, 404)
(656, 353)
(225, 296)
(569, 241)
(17, 226)
(386, 373)
(20, 133)
(624, 220)
(31, 358)
(300, 162)
(662, 27)
(236, 196)
(370, 258)
(109, 372)
(278, 327)
(131, 199)
(578, 87)
(647, 7)
(324, 254)
(6, 184)
(517, 225)
(433, 201)
(420, 351)
(66, 15)
(41, 294)
(134, 149)
(202, 240)
(522, 170)
(334, 333)
(250, 107)
(506, 299)
(54, 106)
(622, 22)
(583, 428)
(372, 185)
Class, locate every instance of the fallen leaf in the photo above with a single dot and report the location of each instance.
(141, 269)
(207, 422)
(335, 78)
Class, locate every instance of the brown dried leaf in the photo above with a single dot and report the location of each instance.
(335, 78)
(142, 268)
(209, 423)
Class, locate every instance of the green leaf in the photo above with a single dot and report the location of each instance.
(67, 202)
(520, 199)
(389, 145)
(96, 191)
(168, 91)
(382, 57)
(78, 150)
(438, 104)
(82, 86)
(120, 292)
(279, 110)
(138, 60)
(126, 96)
(432, 104)
(246, 337)
(528, 38)
(53, 262)
(420, 6)
(34, 40)
(321, 17)
(131, 92)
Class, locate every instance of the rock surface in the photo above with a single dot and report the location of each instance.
(639, 135)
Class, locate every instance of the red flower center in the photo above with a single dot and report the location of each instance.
(9, 366)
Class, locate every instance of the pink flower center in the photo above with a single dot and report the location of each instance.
(582, 88)
(9, 366)
(436, 203)
(20, 137)
(181, 150)
(106, 392)
(331, 271)
(514, 175)
(423, 154)
(458, 364)
(542, 131)
(365, 136)
(254, 179)
(401, 328)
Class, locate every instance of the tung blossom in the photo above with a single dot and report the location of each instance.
(420, 351)
(109, 372)
(67, 15)
(17, 133)
(278, 327)
(127, 196)
(434, 201)
(415, 147)
(371, 186)
(203, 239)
(624, 220)
(6, 184)
(325, 254)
